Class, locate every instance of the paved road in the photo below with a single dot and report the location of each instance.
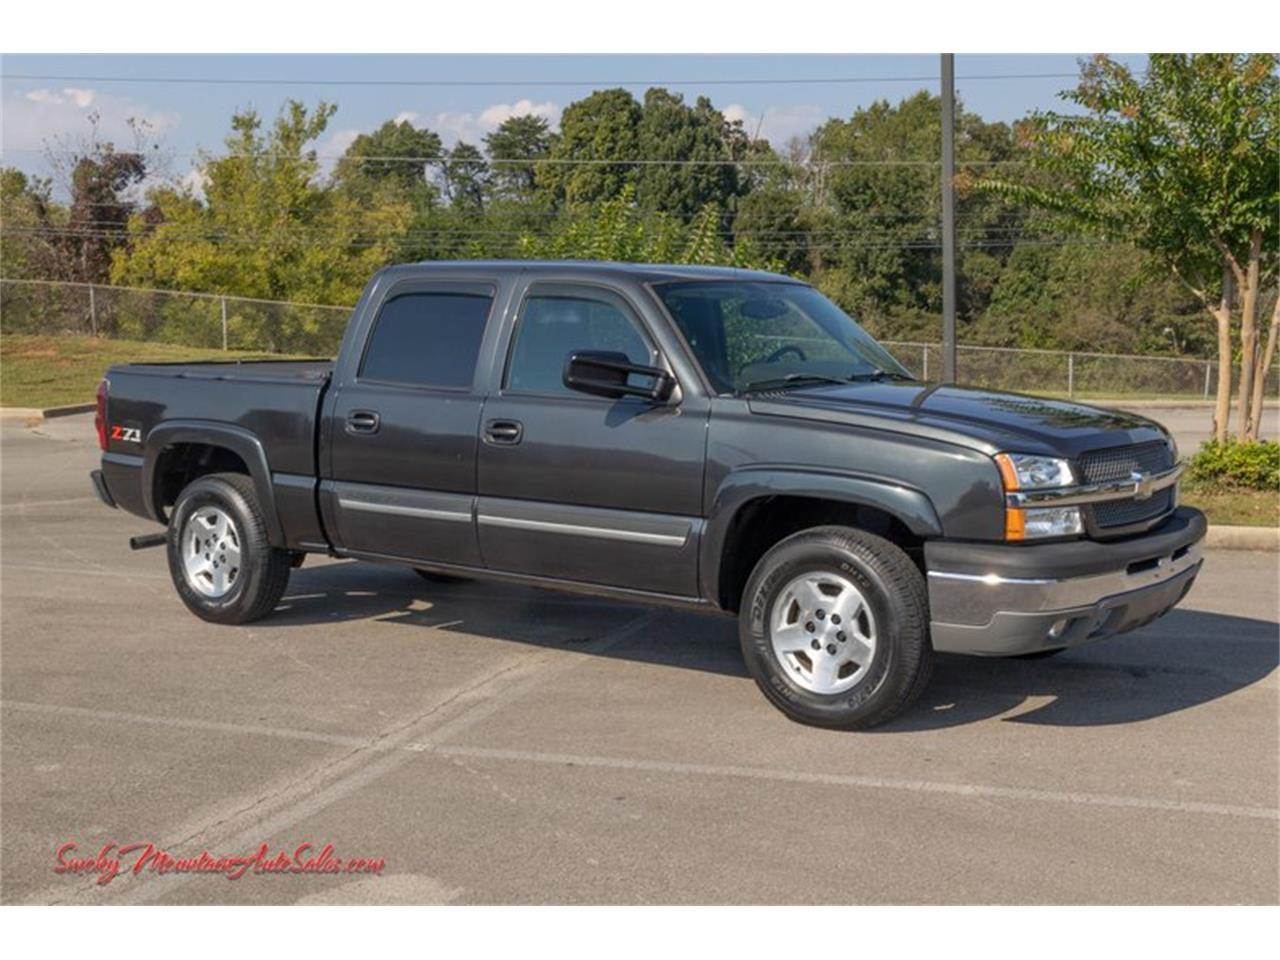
(1191, 425)
(508, 745)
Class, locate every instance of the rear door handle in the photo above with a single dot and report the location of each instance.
(506, 432)
(363, 421)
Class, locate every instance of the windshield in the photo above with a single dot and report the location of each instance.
(756, 335)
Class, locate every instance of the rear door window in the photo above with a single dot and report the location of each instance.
(427, 339)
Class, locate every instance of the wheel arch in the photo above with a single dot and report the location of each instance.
(754, 509)
(186, 449)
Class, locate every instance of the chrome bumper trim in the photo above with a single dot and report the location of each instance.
(975, 600)
(1139, 487)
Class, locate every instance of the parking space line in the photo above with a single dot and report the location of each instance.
(436, 744)
(187, 723)
(252, 820)
(24, 504)
(82, 571)
(984, 791)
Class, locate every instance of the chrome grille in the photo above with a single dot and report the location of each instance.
(1121, 513)
(1117, 463)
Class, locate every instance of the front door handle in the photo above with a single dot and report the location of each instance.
(506, 432)
(363, 421)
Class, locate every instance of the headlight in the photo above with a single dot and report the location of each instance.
(1050, 522)
(1023, 471)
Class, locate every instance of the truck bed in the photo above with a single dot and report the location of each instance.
(276, 400)
(247, 370)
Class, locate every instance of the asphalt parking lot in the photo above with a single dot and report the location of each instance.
(504, 745)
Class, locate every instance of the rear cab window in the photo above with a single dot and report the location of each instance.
(428, 338)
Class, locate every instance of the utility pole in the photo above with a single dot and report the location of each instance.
(948, 217)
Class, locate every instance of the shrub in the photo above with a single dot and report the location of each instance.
(1232, 464)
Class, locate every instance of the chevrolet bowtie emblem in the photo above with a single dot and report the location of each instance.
(1142, 485)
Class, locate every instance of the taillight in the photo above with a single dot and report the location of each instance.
(100, 418)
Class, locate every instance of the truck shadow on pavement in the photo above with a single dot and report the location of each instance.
(1185, 659)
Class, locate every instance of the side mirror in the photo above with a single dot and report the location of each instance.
(609, 374)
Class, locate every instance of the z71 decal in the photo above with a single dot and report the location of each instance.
(127, 434)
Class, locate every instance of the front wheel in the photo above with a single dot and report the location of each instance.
(834, 628)
(221, 563)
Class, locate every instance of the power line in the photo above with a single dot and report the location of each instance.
(708, 81)
(549, 161)
(857, 241)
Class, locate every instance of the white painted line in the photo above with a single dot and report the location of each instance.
(984, 791)
(23, 504)
(16, 565)
(244, 821)
(435, 744)
(184, 723)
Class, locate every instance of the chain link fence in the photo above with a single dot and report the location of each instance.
(1070, 374)
(239, 323)
(166, 316)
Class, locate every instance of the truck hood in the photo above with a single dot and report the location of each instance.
(986, 420)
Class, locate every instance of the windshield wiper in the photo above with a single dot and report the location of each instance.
(882, 375)
(792, 379)
(799, 379)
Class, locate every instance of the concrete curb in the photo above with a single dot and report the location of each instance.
(33, 415)
(1243, 538)
(69, 410)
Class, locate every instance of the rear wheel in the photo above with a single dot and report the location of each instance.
(834, 628)
(221, 563)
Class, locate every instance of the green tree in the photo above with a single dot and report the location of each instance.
(513, 151)
(1081, 295)
(596, 133)
(267, 226)
(701, 145)
(619, 230)
(466, 178)
(775, 209)
(876, 204)
(1180, 162)
(396, 153)
(27, 215)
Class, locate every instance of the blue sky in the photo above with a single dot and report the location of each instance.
(187, 117)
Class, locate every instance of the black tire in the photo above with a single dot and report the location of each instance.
(432, 577)
(894, 590)
(263, 572)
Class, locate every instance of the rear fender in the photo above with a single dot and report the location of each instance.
(238, 440)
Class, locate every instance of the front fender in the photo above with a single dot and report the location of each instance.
(912, 507)
(244, 443)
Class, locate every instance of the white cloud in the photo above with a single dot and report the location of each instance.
(472, 127)
(81, 98)
(336, 143)
(408, 116)
(777, 124)
(42, 117)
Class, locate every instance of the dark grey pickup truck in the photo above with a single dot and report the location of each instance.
(713, 438)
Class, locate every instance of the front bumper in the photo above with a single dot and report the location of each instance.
(1003, 600)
